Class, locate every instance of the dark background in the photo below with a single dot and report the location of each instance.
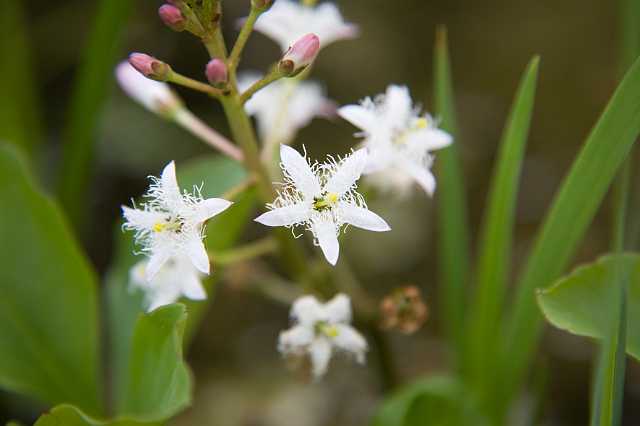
(240, 377)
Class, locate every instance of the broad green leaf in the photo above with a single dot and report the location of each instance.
(571, 213)
(453, 228)
(215, 175)
(437, 401)
(19, 107)
(94, 78)
(497, 231)
(68, 415)
(48, 304)
(582, 302)
(159, 382)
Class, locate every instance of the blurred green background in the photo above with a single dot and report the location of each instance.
(240, 377)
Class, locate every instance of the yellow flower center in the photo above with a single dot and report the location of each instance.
(325, 202)
(170, 225)
(328, 330)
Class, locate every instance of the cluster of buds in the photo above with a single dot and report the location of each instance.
(403, 310)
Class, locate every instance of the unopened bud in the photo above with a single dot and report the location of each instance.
(404, 310)
(300, 55)
(261, 4)
(172, 17)
(154, 95)
(216, 72)
(150, 67)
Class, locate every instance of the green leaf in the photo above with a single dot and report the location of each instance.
(94, 79)
(582, 302)
(497, 231)
(453, 228)
(438, 401)
(158, 381)
(571, 213)
(215, 175)
(68, 415)
(48, 304)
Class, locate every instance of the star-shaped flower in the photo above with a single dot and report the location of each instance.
(285, 106)
(320, 329)
(170, 223)
(288, 21)
(399, 139)
(323, 198)
(176, 278)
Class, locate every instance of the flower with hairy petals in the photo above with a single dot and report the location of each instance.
(399, 140)
(320, 329)
(285, 106)
(176, 278)
(156, 96)
(170, 223)
(288, 21)
(323, 198)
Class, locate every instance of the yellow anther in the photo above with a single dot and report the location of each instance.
(159, 227)
(330, 330)
(422, 123)
(332, 198)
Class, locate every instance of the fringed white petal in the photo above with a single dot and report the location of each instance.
(347, 173)
(363, 218)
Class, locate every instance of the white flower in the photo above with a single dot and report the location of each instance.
(177, 277)
(170, 224)
(319, 329)
(287, 21)
(399, 139)
(153, 95)
(285, 106)
(323, 198)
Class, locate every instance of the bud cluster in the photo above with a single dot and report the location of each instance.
(403, 310)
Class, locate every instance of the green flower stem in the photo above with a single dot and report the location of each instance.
(274, 75)
(243, 37)
(247, 252)
(190, 83)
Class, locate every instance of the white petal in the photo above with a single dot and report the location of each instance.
(192, 287)
(296, 339)
(359, 116)
(141, 219)
(285, 216)
(430, 139)
(137, 277)
(307, 311)
(338, 309)
(299, 171)
(153, 95)
(161, 296)
(320, 353)
(197, 253)
(363, 218)
(398, 106)
(423, 177)
(348, 339)
(348, 172)
(208, 208)
(327, 235)
(156, 262)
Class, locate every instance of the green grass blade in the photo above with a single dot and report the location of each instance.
(453, 225)
(93, 81)
(571, 213)
(19, 107)
(497, 231)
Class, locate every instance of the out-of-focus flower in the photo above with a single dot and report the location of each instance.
(153, 95)
(216, 72)
(323, 198)
(399, 140)
(319, 329)
(300, 55)
(172, 17)
(285, 106)
(171, 223)
(287, 21)
(404, 310)
(176, 278)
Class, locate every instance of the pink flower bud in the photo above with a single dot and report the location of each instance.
(150, 67)
(300, 55)
(216, 72)
(172, 17)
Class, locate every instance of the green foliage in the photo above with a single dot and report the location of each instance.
(453, 228)
(48, 303)
(497, 232)
(437, 401)
(67, 415)
(94, 78)
(571, 213)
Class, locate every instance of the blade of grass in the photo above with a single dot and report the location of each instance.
(571, 213)
(497, 231)
(453, 228)
(19, 108)
(93, 80)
